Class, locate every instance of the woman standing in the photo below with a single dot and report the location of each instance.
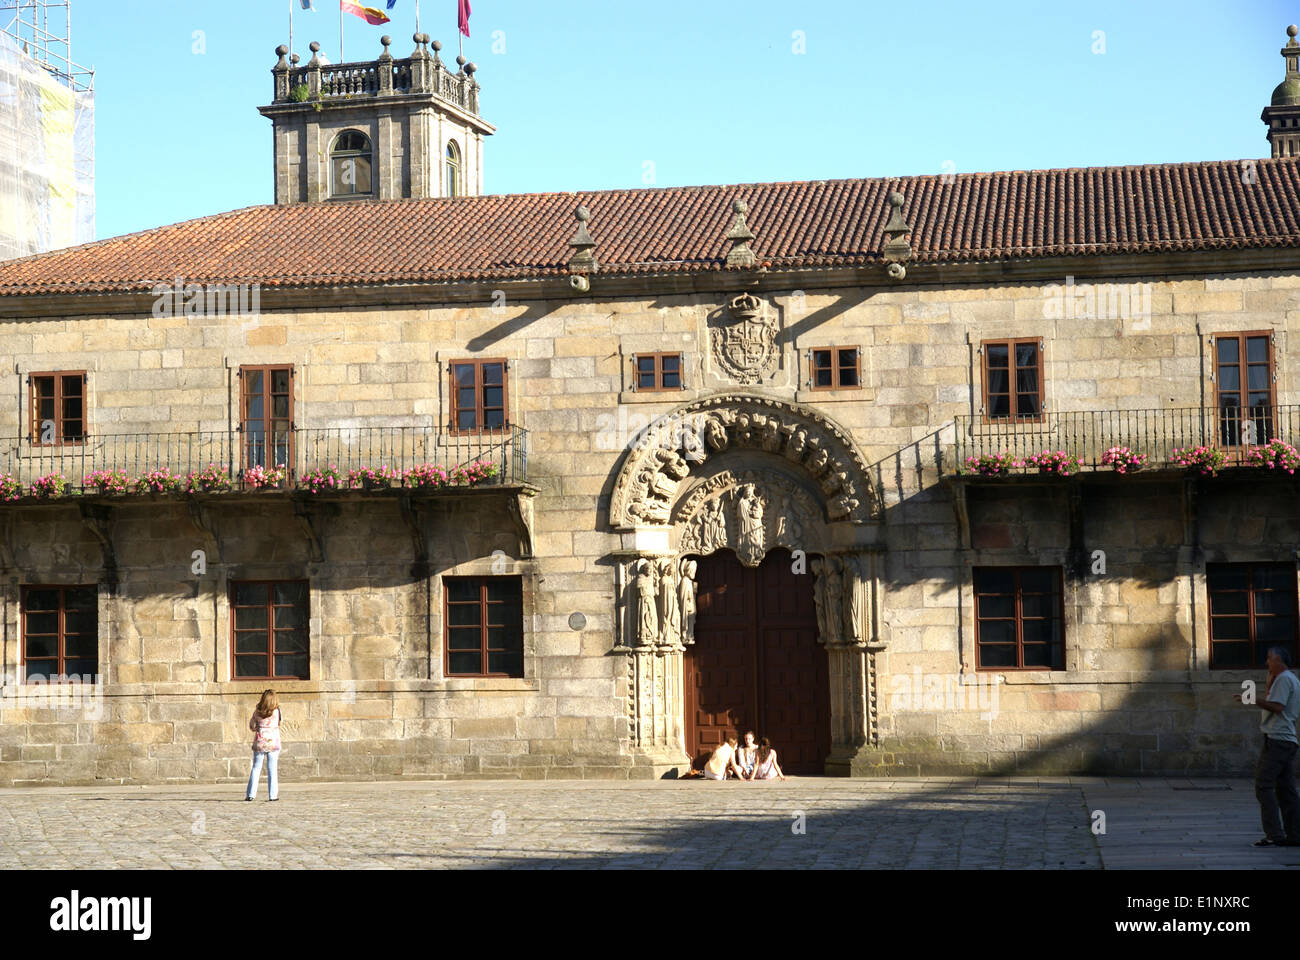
(265, 725)
(765, 765)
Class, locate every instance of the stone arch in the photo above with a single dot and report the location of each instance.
(748, 474)
(685, 441)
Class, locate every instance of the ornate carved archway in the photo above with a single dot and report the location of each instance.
(748, 474)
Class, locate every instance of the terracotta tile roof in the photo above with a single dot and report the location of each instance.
(974, 217)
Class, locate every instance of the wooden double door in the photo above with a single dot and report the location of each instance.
(756, 663)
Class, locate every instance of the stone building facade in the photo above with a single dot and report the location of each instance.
(733, 442)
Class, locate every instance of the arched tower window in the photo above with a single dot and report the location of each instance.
(350, 162)
(453, 169)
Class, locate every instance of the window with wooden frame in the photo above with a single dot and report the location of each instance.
(1252, 608)
(60, 631)
(1018, 618)
(1243, 387)
(833, 368)
(270, 630)
(57, 401)
(1013, 379)
(266, 415)
(658, 371)
(478, 395)
(483, 626)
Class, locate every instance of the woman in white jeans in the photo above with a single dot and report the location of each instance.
(265, 725)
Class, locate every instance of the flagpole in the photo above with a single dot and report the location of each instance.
(341, 31)
(417, 16)
(291, 3)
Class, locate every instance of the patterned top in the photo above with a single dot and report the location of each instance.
(267, 727)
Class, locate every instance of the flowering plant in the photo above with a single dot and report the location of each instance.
(1058, 462)
(159, 481)
(990, 464)
(1207, 460)
(260, 477)
(426, 476)
(108, 481)
(10, 488)
(1123, 460)
(50, 486)
(472, 473)
(323, 478)
(1275, 455)
(380, 478)
(211, 479)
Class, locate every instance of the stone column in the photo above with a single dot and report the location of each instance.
(652, 641)
(849, 616)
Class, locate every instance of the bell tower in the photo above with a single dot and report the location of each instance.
(388, 129)
(1283, 114)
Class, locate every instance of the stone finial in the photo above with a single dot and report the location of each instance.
(582, 245)
(1291, 32)
(896, 248)
(314, 47)
(740, 255)
(471, 68)
(293, 59)
(387, 41)
(281, 51)
(460, 62)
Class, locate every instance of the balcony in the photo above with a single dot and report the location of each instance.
(366, 458)
(1235, 432)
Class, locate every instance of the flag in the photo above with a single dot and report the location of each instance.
(465, 11)
(369, 14)
(391, 4)
(306, 5)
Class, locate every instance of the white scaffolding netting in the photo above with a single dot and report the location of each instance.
(47, 158)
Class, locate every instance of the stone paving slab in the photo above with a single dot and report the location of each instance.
(1186, 825)
(939, 823)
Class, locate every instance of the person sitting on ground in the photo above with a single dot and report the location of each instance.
(722, 762)
(765, 765)
(745, 755)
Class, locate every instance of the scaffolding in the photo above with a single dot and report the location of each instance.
(47, 131)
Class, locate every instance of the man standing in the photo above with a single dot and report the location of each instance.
(1275, 769)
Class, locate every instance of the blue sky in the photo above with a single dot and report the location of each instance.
(614, 93)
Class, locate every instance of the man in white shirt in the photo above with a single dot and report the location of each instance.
(1275, 769)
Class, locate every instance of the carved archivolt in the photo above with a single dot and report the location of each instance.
(679, 443)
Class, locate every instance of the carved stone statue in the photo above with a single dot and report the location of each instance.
(789, 532)
(834, 602)
(713, 535)
(715, 434)
(854, 599)
(647, 627)
(751, 545)
(798, 445)
(819, 595)
(686, 600)
(669, 607)
(650, 510)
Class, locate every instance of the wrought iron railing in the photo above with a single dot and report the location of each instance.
(1158, 433)
(300, 451)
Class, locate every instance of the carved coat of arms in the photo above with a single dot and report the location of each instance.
(744, 343)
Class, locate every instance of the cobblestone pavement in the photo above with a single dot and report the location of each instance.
(931, 823)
